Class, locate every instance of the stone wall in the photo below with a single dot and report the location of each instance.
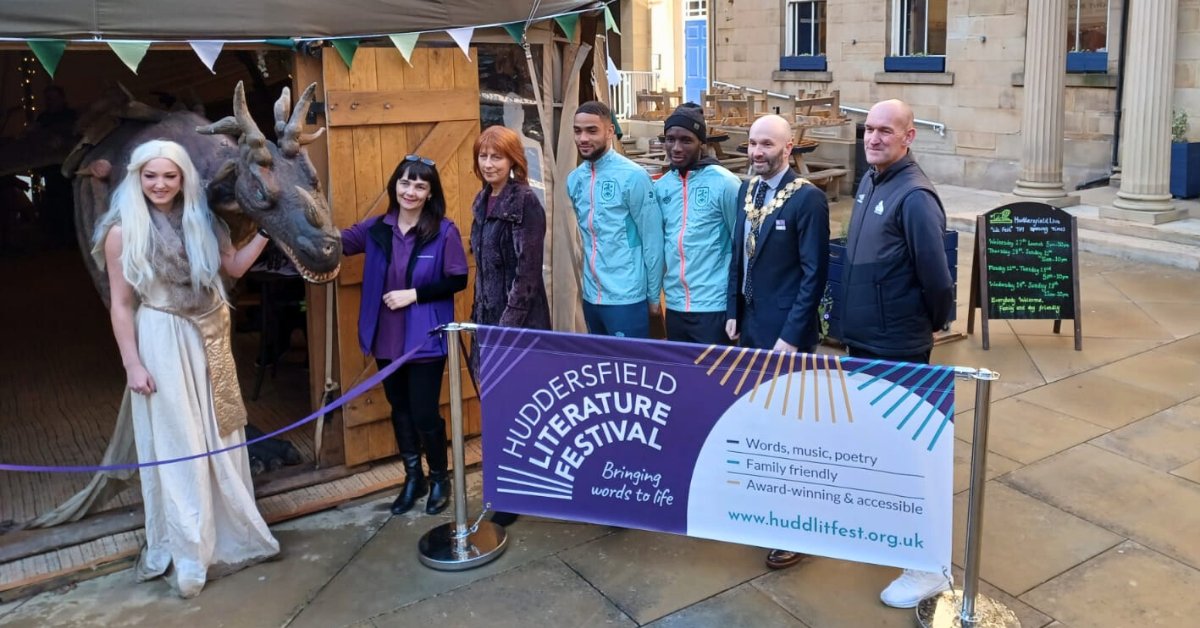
(980, 95)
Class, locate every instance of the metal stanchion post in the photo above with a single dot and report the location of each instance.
(457, 546)
(967, 608)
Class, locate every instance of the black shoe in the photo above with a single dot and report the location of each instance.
(415, 486)
(439, 478)
(503, 519)
(439, 493)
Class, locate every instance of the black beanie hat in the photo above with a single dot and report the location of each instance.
(690, 116)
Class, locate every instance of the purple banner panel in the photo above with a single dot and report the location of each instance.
(826, 455)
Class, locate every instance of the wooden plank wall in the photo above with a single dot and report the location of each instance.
(379, 111)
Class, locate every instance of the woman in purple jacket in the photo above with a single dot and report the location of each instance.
(507, 233)
(414, 264)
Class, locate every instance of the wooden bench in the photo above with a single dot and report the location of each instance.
(829, 180)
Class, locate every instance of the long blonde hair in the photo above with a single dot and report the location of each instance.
(129, 209)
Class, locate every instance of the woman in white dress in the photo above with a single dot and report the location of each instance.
(165, 252)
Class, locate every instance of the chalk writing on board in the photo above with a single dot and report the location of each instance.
(1029, 262)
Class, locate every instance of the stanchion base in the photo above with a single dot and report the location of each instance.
(437, 547)
(945, 609)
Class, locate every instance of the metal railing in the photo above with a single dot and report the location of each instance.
(936, 126)
(623, 95)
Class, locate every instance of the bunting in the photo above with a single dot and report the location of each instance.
(462, 37)
(49, 52)
(131, 53)
(516, 30)
(609, 22)
(569, 24)
(405, 42)
(208, 51)
(346, 48)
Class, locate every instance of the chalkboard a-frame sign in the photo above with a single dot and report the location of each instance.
(1025, 267)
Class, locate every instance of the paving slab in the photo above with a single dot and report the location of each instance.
(1015, 524)
(1101, 319)
(544, 592)
(1129, 585)
(829, 593)
(1026, 432)
(1154, 508)
(1189, 472)
(1178, 318)
(269, 594)
(1056, 357)
(1186, 348)
(1167, 440)
(649, 575)
(1156, 283)
(740, 607)
(997, 465)
(1157, 371)
(1100, 400)
(387, 574)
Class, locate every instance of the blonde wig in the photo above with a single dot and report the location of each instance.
(130, 209)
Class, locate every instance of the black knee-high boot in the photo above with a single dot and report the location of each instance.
(415, 485)
(439, 477)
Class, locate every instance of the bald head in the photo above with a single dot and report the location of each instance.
(888, 132)
(770, 144)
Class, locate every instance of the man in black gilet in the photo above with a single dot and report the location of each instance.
(897, 285)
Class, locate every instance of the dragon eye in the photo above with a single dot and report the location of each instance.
(260, 195)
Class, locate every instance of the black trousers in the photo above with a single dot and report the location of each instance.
(917, 358)
(413, 391)
(706, 328)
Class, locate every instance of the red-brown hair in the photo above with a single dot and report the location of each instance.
(505, 141)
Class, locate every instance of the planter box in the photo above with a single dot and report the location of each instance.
(1087, 62)
(914, 64)
(805, 63)
(833, 286)
(1185, 169)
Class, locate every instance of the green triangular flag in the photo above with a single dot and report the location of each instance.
(609, 22)
(346, 48)
(130, 52)
(516, 30)
(569, 24)
(405, 42)
(281, 42)
(49, 52)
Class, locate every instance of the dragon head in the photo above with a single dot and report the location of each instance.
(275, 185)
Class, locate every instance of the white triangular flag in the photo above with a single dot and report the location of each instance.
(405, 42)
(614, 75)
(208, 52)
(462, 37)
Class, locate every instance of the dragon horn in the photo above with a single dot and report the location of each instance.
(290, 140)
(252, 137)
(281, 111)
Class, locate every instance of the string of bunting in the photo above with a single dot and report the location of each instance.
(49, 52)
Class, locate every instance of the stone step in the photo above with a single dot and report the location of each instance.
(1096, 236)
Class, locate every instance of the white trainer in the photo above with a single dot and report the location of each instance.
(913, 586)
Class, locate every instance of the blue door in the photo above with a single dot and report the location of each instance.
(695, 45)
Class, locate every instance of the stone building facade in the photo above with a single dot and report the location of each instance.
(1012, 112)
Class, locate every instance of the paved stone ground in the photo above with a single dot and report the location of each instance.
(1092, 514)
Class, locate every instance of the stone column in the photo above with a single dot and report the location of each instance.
(1042, 118)
(1146, 137)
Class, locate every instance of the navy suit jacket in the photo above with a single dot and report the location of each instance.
(789, 270)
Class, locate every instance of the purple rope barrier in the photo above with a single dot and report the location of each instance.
(363, 387)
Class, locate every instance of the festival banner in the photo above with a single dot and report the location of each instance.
(826, 455)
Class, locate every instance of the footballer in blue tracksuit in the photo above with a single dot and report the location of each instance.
(620, 226)
(698, 199)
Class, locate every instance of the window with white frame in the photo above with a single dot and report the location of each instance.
(695, 8)
(918, 28)
(1087, 25)
(805, 25)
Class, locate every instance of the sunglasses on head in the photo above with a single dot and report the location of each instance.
(424, 160)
